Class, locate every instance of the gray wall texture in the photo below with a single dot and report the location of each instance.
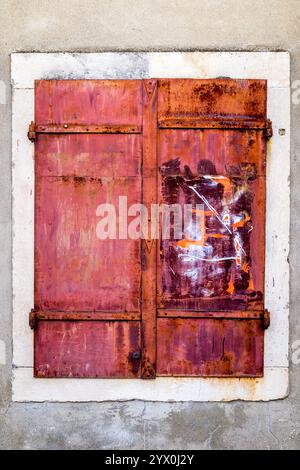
(136, 25)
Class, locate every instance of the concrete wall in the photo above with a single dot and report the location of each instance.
(28, 25)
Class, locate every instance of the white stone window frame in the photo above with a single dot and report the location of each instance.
(272, 66)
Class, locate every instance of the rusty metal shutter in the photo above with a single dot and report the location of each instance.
(141, 308)
(88, 149)
(212, 149)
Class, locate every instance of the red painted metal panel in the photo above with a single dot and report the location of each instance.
(74, 269)
(86, 349)
(91, 102)
(209, 347)
(76, 273)
(95, 155)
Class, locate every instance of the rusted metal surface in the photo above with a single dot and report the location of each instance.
(149, 247)
(77, 275)
(209, 347)
(96, 156)
(220, 123)
(88, 102)
(188, 306)
(75, 271)
(80, 129)
(219, 262)
(269, 129)
(212, 143)
(86, 349)
(211, 99)
(265, 317)
(38, 315)
(242, 315)
(204, 123)
(31, 132)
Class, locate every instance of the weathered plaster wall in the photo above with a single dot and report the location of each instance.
(28, 25)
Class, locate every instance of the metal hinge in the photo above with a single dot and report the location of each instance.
(268, 129)
(265, 319)
(69, 128)
(32, 319)
(45, 315)
(125, 129)
(31, 134)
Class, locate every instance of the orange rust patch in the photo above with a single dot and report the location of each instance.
(245, 267)
(251, 283)
(230, 289)
(217, 235)
(185, 243)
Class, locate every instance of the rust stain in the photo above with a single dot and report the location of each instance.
(230, 288)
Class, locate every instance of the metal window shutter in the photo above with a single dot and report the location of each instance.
(212, 151)
(131, 308)
(88, 150)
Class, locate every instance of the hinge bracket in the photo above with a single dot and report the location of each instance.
(32, 318)
(265, 319)
(31, 134)
(68, 128)
(268, 129)
(148, 371)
